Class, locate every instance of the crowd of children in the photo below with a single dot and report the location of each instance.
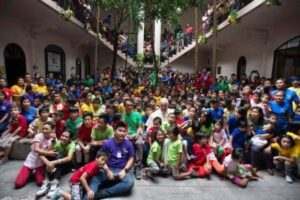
(181, 127)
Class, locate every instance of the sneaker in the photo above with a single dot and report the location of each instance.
(194, 173)
(138, 173)
(44, 189)
(288, 179)
(53, 187)
(56, 194)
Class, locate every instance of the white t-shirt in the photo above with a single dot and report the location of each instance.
(158, 113)
(230, 164)
(32, 160)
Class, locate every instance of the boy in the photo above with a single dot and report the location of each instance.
(74, 121)
(60, 124)
(17, 129)
(37, 125)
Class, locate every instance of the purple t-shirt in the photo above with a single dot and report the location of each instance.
(119, 153)
(4, 108)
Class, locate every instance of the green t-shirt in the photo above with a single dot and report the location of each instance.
(102, 135)
(72, 126)
(64, 150)
(133, 121)
(165, 126)
(89, 82)
(155, 150)
(175, 147)
(207, 130)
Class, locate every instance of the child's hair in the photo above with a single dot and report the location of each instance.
(23, 98)
(221, 122)
(174, 130)
(104, 117)
(199, 136)
(157, 120)
(120, 125)
(208, 118)
(51, 124)
(273, 115)
(117, 117)
(102, 154)
(242, 112)
(58, 113)
(14, 105)
(155, 134)
(73, 109)
(237, 154)
(96, 101)
(242, 123)
(86, 114)
(43, 109)
(292, 141)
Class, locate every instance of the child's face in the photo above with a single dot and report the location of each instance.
(285, 143)
(202, 141)
(254, 113)
(148, 111)
(101, 124)
(156, 124)
(160, 136)
(45, 115)
(56, 117)
(74, 115)
(96, 105)
(65, 138)
(101, 161)
(26, 103)
(172, 136)
(36, 102)
(2, 97)
(218, 126)
(273, 119)
(171, 119)
(14, 112)
(202, 118)
(46, 102)
(87, 121)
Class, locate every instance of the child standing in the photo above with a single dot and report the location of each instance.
(239, 174)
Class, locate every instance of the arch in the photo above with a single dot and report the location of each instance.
(15, 62)
(78, 68)
(55, 61)
(241, 67)
(286, 62)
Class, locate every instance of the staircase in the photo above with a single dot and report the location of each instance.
(54, 6)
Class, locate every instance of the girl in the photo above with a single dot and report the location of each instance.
(239, 174)
(154, 161)
(40, 146)
(287, 155)
(206, 124)
(205, 159)
(219, 142)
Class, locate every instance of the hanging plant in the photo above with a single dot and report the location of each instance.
(273, 2)
(232, 17)
(202, 39)
(87, 27)
(66, 14)
(140, 59)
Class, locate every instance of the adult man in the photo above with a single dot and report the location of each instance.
(163, 112)
(134, 122)
(121, 160)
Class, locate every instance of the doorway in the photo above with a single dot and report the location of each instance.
(15, 63)
(78, 68)
(241, 67)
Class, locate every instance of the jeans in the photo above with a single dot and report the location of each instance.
(111, 188)
(260, 159)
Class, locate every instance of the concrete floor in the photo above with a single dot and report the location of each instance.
(270, 187)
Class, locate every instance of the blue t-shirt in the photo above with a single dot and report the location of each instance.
(216, 114)
(290, 96)
(282, 111)
(119, 153)
(232, 123)
(4, 108)
(239, 138)
(29, 115)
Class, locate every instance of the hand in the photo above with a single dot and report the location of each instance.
(90, 194)
(50, 166)
(268, 150)
(86, 150)
(122, 174)
(277, 157)
(52, 153)
(161, 164)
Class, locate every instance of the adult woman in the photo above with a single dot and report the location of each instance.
(41, 87)
(19, 89)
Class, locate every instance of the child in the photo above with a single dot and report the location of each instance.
(57, 164)
(79, 179)
(204, 158)
(239, 135)
(287, 155)
(41, 143)
(219, 142)
(37, 125)
(154, 161)
(74, 121)
(239, 174)
(174, 155)
(17, 129)
(84, 138)
(98, 108)
(171, 122)
(60, 124)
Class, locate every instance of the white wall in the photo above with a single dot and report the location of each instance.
(34, 44)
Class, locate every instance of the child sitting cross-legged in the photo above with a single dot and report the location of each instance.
(80, 178)
(154, 161)
(239, 174)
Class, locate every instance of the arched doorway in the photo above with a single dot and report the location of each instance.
(15, 63)
(55, 61)
(241, 67)
(87, 65)
(78, 67)
(287, 59)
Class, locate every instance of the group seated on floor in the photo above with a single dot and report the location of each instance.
(183, 125)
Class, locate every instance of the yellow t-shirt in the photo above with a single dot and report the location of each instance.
(17, 90)
(87, 107)
(157, 100)
(289, 153)
(40, 89)
(297, 90)
(296, 138)
(121, 107)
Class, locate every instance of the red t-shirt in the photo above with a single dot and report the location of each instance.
(60, 127)
(200, 152)
(8, 94)
(91, 169)
(20, 123)
(84, 133)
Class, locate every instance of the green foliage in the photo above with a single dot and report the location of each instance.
(202, 39)
(66, 14)
(233, 17)
(140, 59)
